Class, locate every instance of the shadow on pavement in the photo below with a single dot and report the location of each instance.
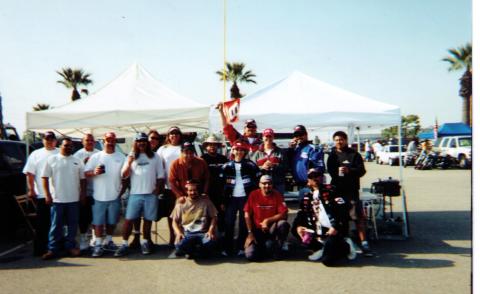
(430, 234)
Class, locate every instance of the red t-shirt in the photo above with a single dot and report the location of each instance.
(263, 207)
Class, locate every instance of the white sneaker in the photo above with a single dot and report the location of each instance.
(316, 255)
(353, 252)
(286, 246)
(92, 241)
(241, 253)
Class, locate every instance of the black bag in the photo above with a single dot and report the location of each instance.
(163, 206)
(386, 187)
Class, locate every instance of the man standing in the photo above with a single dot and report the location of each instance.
(265, 217)
(104, 169)
(68, 181)
(322, 222)
(33, 169)
(271, 160)
(145, 169)
(303, 156)
(85, 220)
(345, 166)
(194, 222)
(252, 140)
(215, 161)
(240, 176)
(186, 168)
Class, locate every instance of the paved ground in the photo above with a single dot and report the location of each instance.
(436, 259)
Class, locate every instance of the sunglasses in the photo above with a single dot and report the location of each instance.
(266, 183)
(154, 138)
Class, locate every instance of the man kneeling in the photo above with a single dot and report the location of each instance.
(194, 223)
(322, 222)
(265, 217)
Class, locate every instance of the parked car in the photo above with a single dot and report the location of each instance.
(12, 182)
(390, 155)
(459, 148)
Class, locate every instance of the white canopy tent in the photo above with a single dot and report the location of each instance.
(301, 99)
(135, 101)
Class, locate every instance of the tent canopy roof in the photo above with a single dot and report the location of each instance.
(454, 129)
(301, 99)
(133, 101)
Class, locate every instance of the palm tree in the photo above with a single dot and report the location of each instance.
(234, 73)
(461, 59)
(72, 79)
(41, 106)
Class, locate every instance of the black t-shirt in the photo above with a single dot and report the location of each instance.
(216, 184)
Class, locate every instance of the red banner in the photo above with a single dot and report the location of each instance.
(231, 110)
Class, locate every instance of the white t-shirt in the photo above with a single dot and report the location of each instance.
(238, 189)
(144, 173)
(65, 173)
(168, 154)
(106, 186)
(82, 154)
(322, 217)
(35, 164)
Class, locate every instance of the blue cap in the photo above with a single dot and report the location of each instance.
(141, 137)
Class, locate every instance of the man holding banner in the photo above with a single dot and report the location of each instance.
(229, 114)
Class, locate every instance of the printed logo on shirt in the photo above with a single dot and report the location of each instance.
(142, 163)
(340, 200)
(265, 206)
(304, 155)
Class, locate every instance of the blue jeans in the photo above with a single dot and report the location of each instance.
(63, 214)
(196, 244)
(234, 205)
(268, 243)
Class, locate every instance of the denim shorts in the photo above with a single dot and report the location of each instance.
(105, 212)
(138, 203)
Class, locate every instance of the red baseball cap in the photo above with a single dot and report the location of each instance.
(240, 145)
(268, 132)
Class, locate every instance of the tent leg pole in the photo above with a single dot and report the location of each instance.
(404, 199)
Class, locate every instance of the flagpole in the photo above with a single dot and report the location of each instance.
(224, 50)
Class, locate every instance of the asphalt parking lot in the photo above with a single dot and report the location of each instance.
(435, 259)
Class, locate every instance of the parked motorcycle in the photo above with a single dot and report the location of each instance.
(433, 160)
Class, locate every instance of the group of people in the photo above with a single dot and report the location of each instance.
(203, 197)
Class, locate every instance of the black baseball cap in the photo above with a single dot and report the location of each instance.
(141, 137)
(188, 146)
(49, 135)
(299, 130)
(250, 123)
(313, 173)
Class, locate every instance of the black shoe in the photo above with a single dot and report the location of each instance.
(135, 244)
(366, 251)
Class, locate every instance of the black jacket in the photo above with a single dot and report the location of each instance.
(350, 183)
(335, 206)
(250, 176)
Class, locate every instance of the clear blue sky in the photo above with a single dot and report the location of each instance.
(386, 50)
